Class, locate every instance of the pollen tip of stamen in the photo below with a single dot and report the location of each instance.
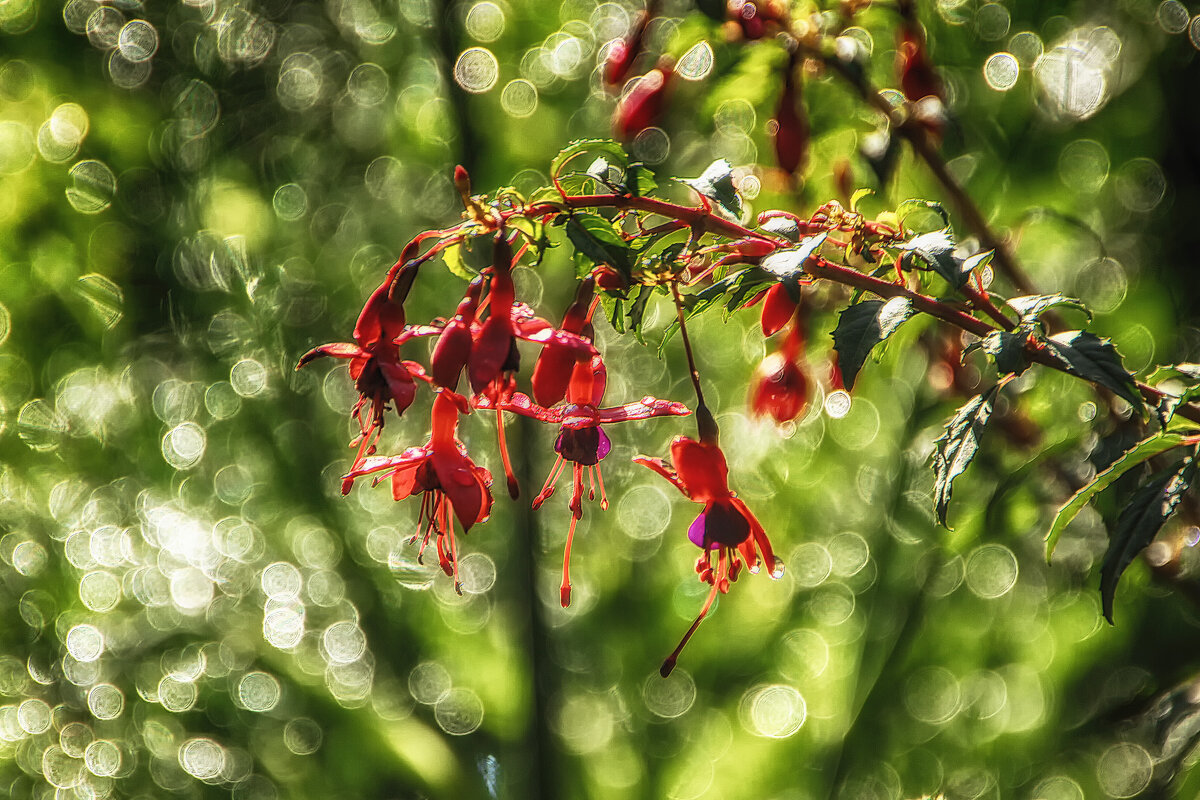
(667, 667)
(564, 595)
(458, 588)
(604, 504)
(514, 488)
(347, 485)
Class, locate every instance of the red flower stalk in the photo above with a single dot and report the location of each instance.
(375, 366)
(444, 474)
(791, 134)
(726, 525)
(583, 442)
(778, 307)
(642, 105)
(780, 386)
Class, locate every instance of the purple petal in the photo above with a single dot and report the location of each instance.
(604, 445)
(719, 525)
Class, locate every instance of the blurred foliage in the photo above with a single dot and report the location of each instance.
(194, 193)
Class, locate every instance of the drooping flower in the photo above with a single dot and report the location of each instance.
(444, 475)
(643, 105)
(582, 441)
(780, 386)
(791, 130)
(379, 375)
(623, 52)
(555, 364)
(725, 527)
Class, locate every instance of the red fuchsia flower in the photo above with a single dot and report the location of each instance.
(725, 526)
(379, 374)
(779, 306)
(642, 106)
(582, 441)
(624, 52)
(443, 473)
(554, 366)
(918, 78)
(780, 387)
(453, 347)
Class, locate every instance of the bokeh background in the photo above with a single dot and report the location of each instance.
(192, 194)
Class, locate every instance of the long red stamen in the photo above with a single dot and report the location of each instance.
(548, 486)
(600, 480)
(564, 591)
(448, 526)
(669, 664)
(514, 489)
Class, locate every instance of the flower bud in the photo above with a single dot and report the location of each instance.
(643, 105)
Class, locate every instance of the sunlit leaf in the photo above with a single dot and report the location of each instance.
(957, 447)
(862, 326)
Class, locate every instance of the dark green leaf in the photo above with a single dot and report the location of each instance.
(1031, 307)
(605, 146)
(862, 326)
(1139, 522)
(957, 447)
(1145, 449)
(716, 183)
(1006, 348)
(595, 238)
(789, 264)
(637, 310)
(935, 251)
(1095, 359)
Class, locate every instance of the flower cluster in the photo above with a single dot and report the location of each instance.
(482, 341)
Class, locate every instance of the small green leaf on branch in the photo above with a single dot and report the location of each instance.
(1093, 358)
(1140, 521)
(605, 146)
(862, 326)
(957, 447)
(1006, 348)
(935, 251)
(1030, 307)
(789, 264)
(596, 239)
(1138, 454)
(716, 183)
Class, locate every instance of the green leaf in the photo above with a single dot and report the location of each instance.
(957, 447)
(1006, 348)
(1139, 522)
(597, 240)
(1145, 449)
(716, 183)
(1030, 307)
(637, 310)
(936, 250)
(1170, 404)
(639, 180)
(580, 146)
(1095, 359)
(862, 326)
(789, 264)
(1188, 373)
(913, 204)
(784, 227)
(470, 256)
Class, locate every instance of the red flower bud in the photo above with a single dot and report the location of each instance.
(780, 388)
(918, 78)
(791, 134)
(625, 51)
(778, 308)
(642, 106)
(552, 371)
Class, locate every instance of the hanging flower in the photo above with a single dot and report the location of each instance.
(445, 476)
(379, 375)
(780, 386)
(725, 527)
(642, 106)
(582, 441)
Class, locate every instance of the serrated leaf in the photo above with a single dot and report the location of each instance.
(936, 250)
(1031, 307)
(1189, 373)
(1170, 404)
(637, 310)
(1138, 454)
(957, 447)
(605, 146)
(785, 227)
(915, 203)
(599, 169)
(716, 183)
(972, 263)
(862, 326)
(597, 240)
(1138, 524)
(1092, 358)
(789, 264)
(1006, 348)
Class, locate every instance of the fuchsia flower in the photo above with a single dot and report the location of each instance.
(580, 440)
(780, 386)
(725, 526)
(444, 474)
(379, 374)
